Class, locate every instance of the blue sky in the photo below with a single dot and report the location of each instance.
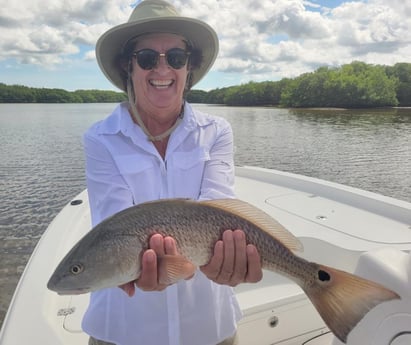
(48, 43)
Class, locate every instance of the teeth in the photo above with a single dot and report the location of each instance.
(161, 83)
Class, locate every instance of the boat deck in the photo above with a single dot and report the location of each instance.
(335, 223)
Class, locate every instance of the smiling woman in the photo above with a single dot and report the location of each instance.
(157, 85)
(157, 146)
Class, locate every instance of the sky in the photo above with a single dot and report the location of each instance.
(50, 43)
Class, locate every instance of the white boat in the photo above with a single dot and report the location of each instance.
(343, 227)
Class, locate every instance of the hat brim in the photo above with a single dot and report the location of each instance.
(111, 43)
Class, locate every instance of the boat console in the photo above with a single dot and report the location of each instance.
(389, 323)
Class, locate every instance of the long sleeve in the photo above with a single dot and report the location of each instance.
(218, 177)
(122, 169)
(107, 189)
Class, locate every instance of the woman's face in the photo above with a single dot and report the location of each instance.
(159, 89)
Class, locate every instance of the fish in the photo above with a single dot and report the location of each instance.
(109, 255)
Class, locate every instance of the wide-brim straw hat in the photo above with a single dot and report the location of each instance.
(155, 16)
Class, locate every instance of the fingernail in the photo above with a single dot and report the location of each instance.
(150, 256)
(250, 249)
(169, 245)
(239, 235)
(156, 240)
(228, 234)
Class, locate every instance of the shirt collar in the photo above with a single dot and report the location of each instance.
(118, 121)
(121, 121)
(192, 118)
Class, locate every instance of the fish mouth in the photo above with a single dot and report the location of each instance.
(64, 292)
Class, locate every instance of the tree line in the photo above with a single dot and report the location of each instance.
(354, 85)
(24, 94)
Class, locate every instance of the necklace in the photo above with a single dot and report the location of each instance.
(137, 118)
(161, 136)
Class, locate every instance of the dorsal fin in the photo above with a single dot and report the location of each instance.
(259, 218)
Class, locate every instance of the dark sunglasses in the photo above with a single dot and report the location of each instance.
(148, 58)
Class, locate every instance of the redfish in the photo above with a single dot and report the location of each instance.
(109, 255)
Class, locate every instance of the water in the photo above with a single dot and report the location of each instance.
(42, 164)
(368, 149)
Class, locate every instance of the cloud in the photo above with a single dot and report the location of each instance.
(261, 40)
(272, 39)
(90, 55)
(45, 32)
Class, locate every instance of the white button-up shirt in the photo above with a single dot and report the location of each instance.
(123, 168)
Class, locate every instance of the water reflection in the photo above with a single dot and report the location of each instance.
(355, 116)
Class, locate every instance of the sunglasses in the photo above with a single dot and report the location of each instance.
(148, 58)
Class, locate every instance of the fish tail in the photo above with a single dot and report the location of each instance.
(343, 299)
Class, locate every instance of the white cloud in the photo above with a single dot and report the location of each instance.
(90, 55)
(260, 40)
(44, 32)
(370, 31)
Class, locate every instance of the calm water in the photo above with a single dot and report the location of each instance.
(41, 160)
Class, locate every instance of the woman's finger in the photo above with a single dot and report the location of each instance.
(240, 259)
(254, 269)
(227, 267)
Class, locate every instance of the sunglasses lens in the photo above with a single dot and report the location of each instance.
(147, 58)
(176, 58)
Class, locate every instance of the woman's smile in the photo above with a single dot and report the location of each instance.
(161, 83)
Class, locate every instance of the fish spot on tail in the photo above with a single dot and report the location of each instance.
(345, 299)
(324, 276)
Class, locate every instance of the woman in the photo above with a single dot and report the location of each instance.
(157, 146)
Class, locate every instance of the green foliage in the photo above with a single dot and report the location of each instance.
(265, 93)
(196, 96)
(24, 94)
(217, 96)
(16, 94)
(355, 85)
(100, 96)
(402, 71)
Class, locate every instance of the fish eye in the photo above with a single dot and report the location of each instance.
(76, 269)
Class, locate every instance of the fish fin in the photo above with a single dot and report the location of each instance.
(259, 218)
(343, 299)
(172, 268)
(161, 201)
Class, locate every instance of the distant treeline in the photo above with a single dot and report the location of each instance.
(355, 85)
(24, 94)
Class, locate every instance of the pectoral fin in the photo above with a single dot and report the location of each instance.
(172, 268)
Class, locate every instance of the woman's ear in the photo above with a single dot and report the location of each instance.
(189, 81)
(125, 65)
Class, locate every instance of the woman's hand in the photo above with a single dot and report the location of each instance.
(234, 261)
(149, 279)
